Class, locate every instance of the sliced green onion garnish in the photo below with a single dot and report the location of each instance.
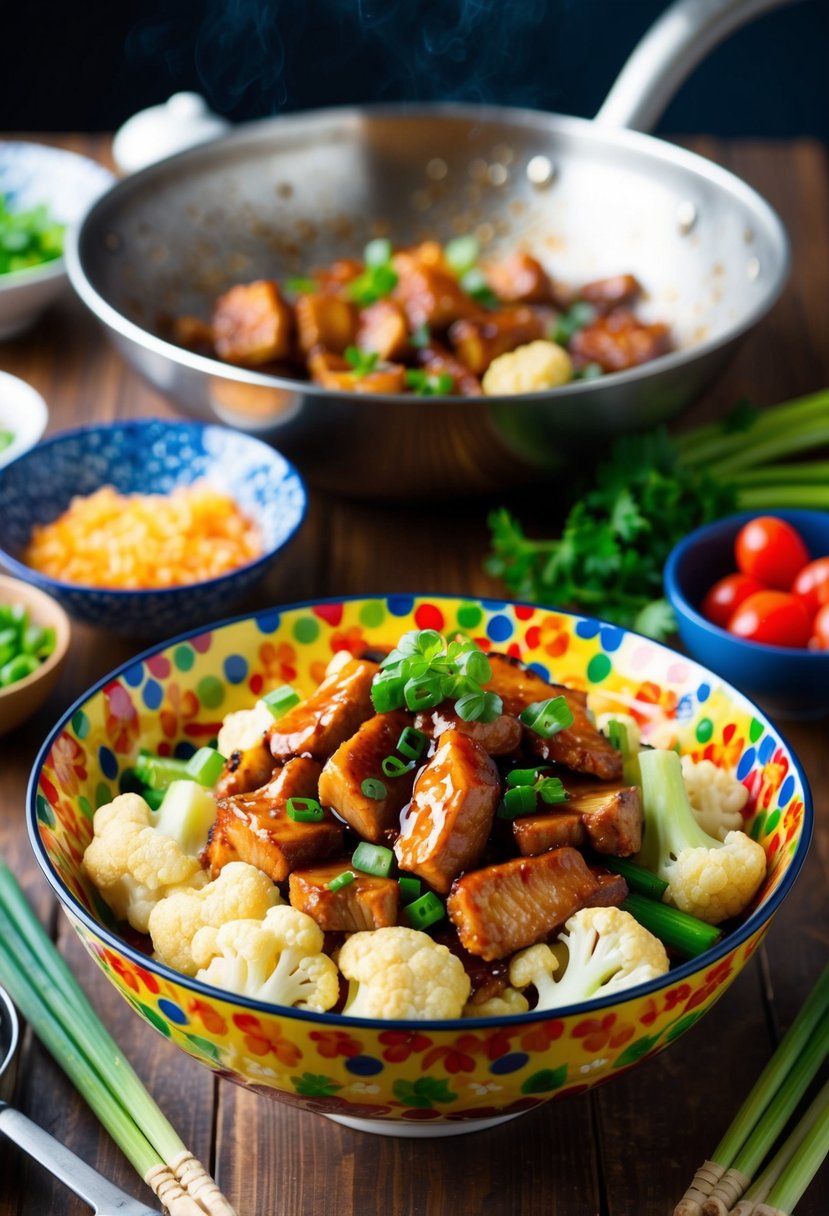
(429, 384)
(425, 911)
(158, 771)
(301, 287)
(475, 285)
(18, 668)
(548, 717)
(387, 691)
(153, 798)
(410, 888)
(393, 766)
(617, 733)
(520, 800)
(462, 253)
(423, 692)
(377, 252)
(479, 707)
(590, 371)
(412, 743)
(373, 859)
(551, 790)
(206, 766)
(304, 810)
(475, 665)
(342, 880)
(679, 931)
(362, 361)
(373, 787)
(521, 776)
(280, 700)
(636, 877)
(570, 322)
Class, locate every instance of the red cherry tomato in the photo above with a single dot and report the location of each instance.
(774, 617)
(771, 550)
(820, 630)
(725, 597)
(812, 584)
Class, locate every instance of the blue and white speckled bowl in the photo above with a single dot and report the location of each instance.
(140, 457)
(31, 174)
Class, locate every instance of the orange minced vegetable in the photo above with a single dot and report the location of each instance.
(142, 541)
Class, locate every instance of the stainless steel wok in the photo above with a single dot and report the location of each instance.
(279, 196)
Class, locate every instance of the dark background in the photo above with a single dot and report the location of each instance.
(89, 64)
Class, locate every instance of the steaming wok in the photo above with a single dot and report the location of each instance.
(589, 199)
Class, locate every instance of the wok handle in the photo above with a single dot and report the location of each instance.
(668, 53)
(101, 1195)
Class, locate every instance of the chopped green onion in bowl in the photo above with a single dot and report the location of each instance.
(23, 644)
(27, 237)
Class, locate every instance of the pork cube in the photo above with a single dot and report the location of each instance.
(580, 747)
(430, 295)
(438, 360)
(256, 827)
(617, 290)
(612, 892)
(318, 725)
(520, 279)
(611, 814)
(534, 834)
(618, 341)
(505, 907)
(361, 757)
(445, 828)
(325, 321)
(332, 371)
(252, 324)
(366, 903)
(479, 340)
(246, 769)
(383, 330)
(500, 737)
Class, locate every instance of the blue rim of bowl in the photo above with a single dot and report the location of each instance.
(52, 585)
(674, 976)
(675, 592)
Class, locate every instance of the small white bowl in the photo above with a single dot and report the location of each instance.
(23, 412)
(31, 174)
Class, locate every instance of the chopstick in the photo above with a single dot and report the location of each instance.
(721, 1181)
(50, 998)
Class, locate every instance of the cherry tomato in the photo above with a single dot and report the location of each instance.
(812, 584)
(820, 629)
(771, 550)
(725, 597)
(774, 617)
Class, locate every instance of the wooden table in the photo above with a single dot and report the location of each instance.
(629, 1148)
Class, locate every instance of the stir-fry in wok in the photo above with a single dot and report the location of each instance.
(431, 320)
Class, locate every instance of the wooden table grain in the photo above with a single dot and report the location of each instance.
(627, 1149)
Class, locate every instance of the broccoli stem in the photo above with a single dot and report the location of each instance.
(669, 822)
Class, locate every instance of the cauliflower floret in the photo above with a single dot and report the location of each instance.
(716, 884)
(507, 1002)
(716, 797)
(278, 959)
(243, 730)
(241, 892)
(402, 973)
(710, 879)
(133, 865)
(607, 950)
(528, 369)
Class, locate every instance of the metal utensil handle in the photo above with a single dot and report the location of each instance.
(103, 1196)
(668, 53)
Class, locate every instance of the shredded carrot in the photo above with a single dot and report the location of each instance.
(141, 541)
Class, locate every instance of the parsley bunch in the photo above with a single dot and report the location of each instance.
(645, 497)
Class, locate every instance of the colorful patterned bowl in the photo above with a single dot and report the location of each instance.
(150, 456)
(422, 1078)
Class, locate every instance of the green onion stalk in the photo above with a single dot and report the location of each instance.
(720, 1182)
(50, 998)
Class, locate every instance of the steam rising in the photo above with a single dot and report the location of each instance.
(257, 57)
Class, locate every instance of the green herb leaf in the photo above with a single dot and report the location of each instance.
(362, 361)
(429, 384)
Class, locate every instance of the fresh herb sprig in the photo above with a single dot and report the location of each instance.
(648, 494)
(378, 278)
(423, 670)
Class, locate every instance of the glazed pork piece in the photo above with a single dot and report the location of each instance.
(580, 747)
(361, 757)
(447, 824)
(368, 902)
(619, 340)
(500, 737)
(319, 724)
(479, 340)
(505, 907)
(606, 816)
(252, 324)
(256, 827)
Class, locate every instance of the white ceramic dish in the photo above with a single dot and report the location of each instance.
(23, 413)
(31, 174)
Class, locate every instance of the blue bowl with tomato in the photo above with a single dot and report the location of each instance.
(752, 604)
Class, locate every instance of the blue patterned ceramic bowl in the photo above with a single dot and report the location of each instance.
(141, 457)
(32, 174)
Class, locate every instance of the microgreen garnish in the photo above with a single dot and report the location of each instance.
(570, 322)
(524, 787)
(429, 384)
(462, 253)
(423, 670)
(379, 277)
(590, 371)
(362, 361)
(475, 285)
(548, 717)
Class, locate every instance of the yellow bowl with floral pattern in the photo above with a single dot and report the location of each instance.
(401, 1078)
